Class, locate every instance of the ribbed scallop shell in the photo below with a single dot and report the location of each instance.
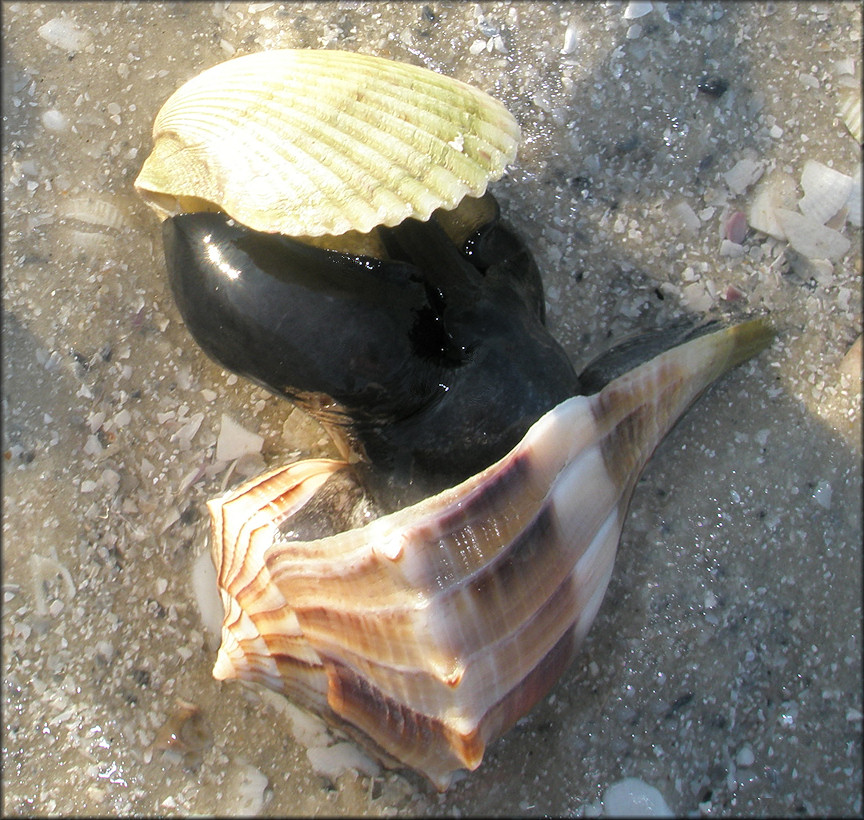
(314, 142)
(427, 633)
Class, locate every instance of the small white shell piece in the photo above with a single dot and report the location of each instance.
(853, 204)
(829, 197)
(810, 238)
(311, 142)
(825, 191)
(776, 190)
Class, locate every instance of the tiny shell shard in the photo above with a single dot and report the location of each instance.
(849, 109)
(428, 632)
(826, 191)
(314, 142)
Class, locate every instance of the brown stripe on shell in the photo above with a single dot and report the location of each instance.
(498, 601)
(533, 687)
(528, 570)
(457, 529)
(497, 661)
(417, 739)
(464, 537)
(639, 408)
(385, 636)
(641, 423)
(493, 601)
(382, 624)
(477, 680)
(279, 494)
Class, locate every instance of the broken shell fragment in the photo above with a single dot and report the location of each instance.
(736, 227)
(93, 212)
(774, 191)
(826, 191)
(314, 142)
(743, 174)
(849, 109)
(427, 633)
(186, 735)
(853, 204)
(809, 237)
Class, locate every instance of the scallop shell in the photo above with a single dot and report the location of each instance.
(428, 632)
(315, 142)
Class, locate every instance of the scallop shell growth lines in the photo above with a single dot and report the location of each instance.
(307, 142)
(427, 633)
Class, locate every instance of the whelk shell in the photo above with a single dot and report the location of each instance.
(427, 633)
(314, 142)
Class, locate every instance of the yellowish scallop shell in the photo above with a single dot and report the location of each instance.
(313, 142)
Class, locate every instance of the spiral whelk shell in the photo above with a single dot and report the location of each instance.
(305, 142)
(428, 632)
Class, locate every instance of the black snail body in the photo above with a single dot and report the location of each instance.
(434, 358)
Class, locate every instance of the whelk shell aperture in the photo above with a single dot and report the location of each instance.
(317, 142)
(428, 632)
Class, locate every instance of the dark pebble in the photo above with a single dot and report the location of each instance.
(714, 87)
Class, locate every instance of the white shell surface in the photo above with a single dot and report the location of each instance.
(826, 191)
(313, 142)
(774, 191)
(810, 237)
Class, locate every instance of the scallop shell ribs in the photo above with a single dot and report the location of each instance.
(426, 633)
(314, 142)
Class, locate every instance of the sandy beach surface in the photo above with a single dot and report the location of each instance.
(724, 668)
